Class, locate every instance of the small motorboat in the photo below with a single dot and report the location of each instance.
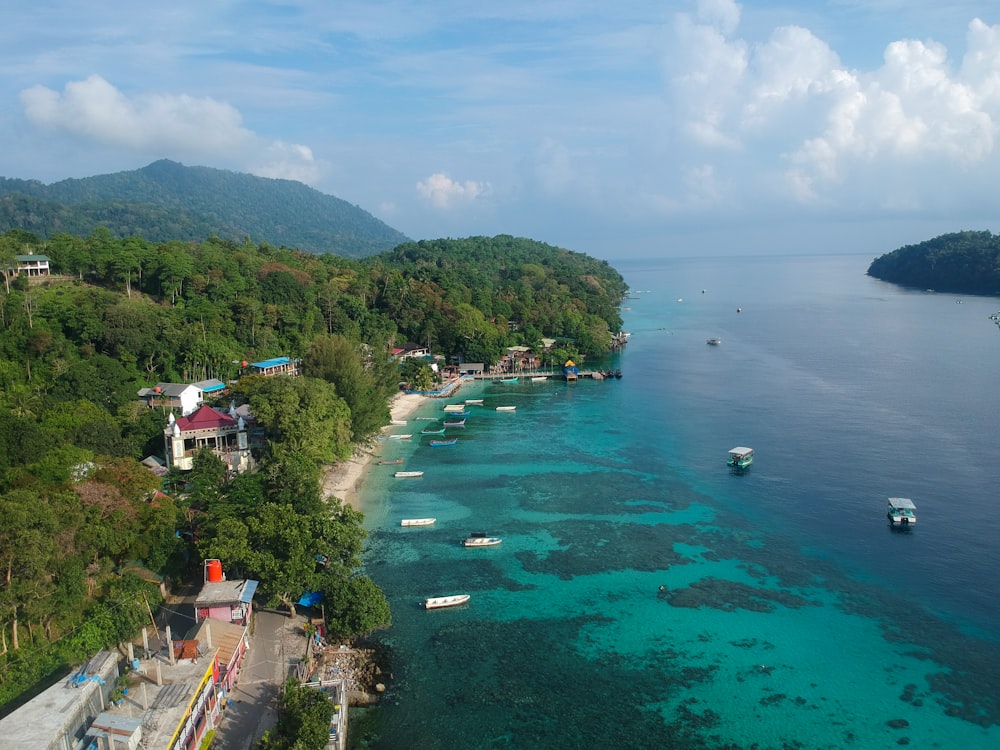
(481, 540)
(506, 408)
(440, 443)
(417, 522)
(740, 457)
(439, 602)
(408, 474)
(902, 511)
(390, 463)
(714, 342)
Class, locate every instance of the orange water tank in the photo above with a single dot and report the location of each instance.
(213, 571)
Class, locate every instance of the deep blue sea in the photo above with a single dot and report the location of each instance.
(790, 615)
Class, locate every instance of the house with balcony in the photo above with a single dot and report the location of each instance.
(32, 265)
(227, 435)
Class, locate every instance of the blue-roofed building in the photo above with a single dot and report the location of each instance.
(212, 385)
(275, 366)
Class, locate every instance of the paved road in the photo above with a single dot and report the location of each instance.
(253, 705)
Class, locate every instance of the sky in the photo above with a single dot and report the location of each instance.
(623, 130)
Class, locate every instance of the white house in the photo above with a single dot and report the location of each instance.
(226, 435)
(184, 396)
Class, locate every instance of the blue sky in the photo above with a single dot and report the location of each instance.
(621, 129)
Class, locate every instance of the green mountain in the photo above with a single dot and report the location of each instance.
(960, 262)
(169, 201)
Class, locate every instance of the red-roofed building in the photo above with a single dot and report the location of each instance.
(227, 435)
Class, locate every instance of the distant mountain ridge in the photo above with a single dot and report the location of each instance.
(169, 201)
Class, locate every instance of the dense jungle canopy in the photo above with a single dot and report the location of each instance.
(960, 263)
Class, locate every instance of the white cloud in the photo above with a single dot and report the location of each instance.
(444, 193)
(172, 125)
(722, 14)
(786, 106)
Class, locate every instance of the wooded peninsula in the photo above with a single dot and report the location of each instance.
(88, 529)
(958, 263)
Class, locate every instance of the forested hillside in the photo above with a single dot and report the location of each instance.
(84, 526)
(961, 263)
(168, 201)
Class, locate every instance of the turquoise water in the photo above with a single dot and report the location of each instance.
(791, 616)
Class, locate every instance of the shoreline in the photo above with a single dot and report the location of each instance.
(344, 478)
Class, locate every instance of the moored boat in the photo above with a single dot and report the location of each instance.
(902, 511)
(431, 431)
(439, 602)
(390, 463)
(397, 421)
(439, 443)
(481, 540)
(408, 474)
(740, 457)
(417, 522)
(451, 408)
(455, 423)
(476, 401)
(506, 408)
(539, 379)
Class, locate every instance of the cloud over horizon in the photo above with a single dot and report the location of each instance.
(180, 126)
(568, 122)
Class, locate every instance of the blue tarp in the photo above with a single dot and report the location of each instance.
(310, 599)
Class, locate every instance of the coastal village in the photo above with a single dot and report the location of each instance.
(208, 657)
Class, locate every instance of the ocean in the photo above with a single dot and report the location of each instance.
(646, 596)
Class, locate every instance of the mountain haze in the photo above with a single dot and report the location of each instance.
(169, 201)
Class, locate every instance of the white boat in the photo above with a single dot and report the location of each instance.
(397, 421)
(506, 408)
(395, 437)
(481, 540)
(740, 457)
(902, 511)
(476, 401)
(539, 379)
(438, 602)
(408, 474)
(417, 522)
(454, 407)
(714, 342)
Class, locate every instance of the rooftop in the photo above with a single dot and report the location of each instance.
(273, 362)
(226, 592)
(50, 714)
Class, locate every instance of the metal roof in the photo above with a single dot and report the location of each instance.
(902, 502)
(246, 596)
(740, 450)
(274, 362)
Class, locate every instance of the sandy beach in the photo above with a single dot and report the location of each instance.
(343, 479)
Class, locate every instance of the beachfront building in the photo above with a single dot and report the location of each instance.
(227, 435)
(410, 350)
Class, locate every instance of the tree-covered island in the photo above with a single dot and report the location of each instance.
(959, 263)
(87, 529)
